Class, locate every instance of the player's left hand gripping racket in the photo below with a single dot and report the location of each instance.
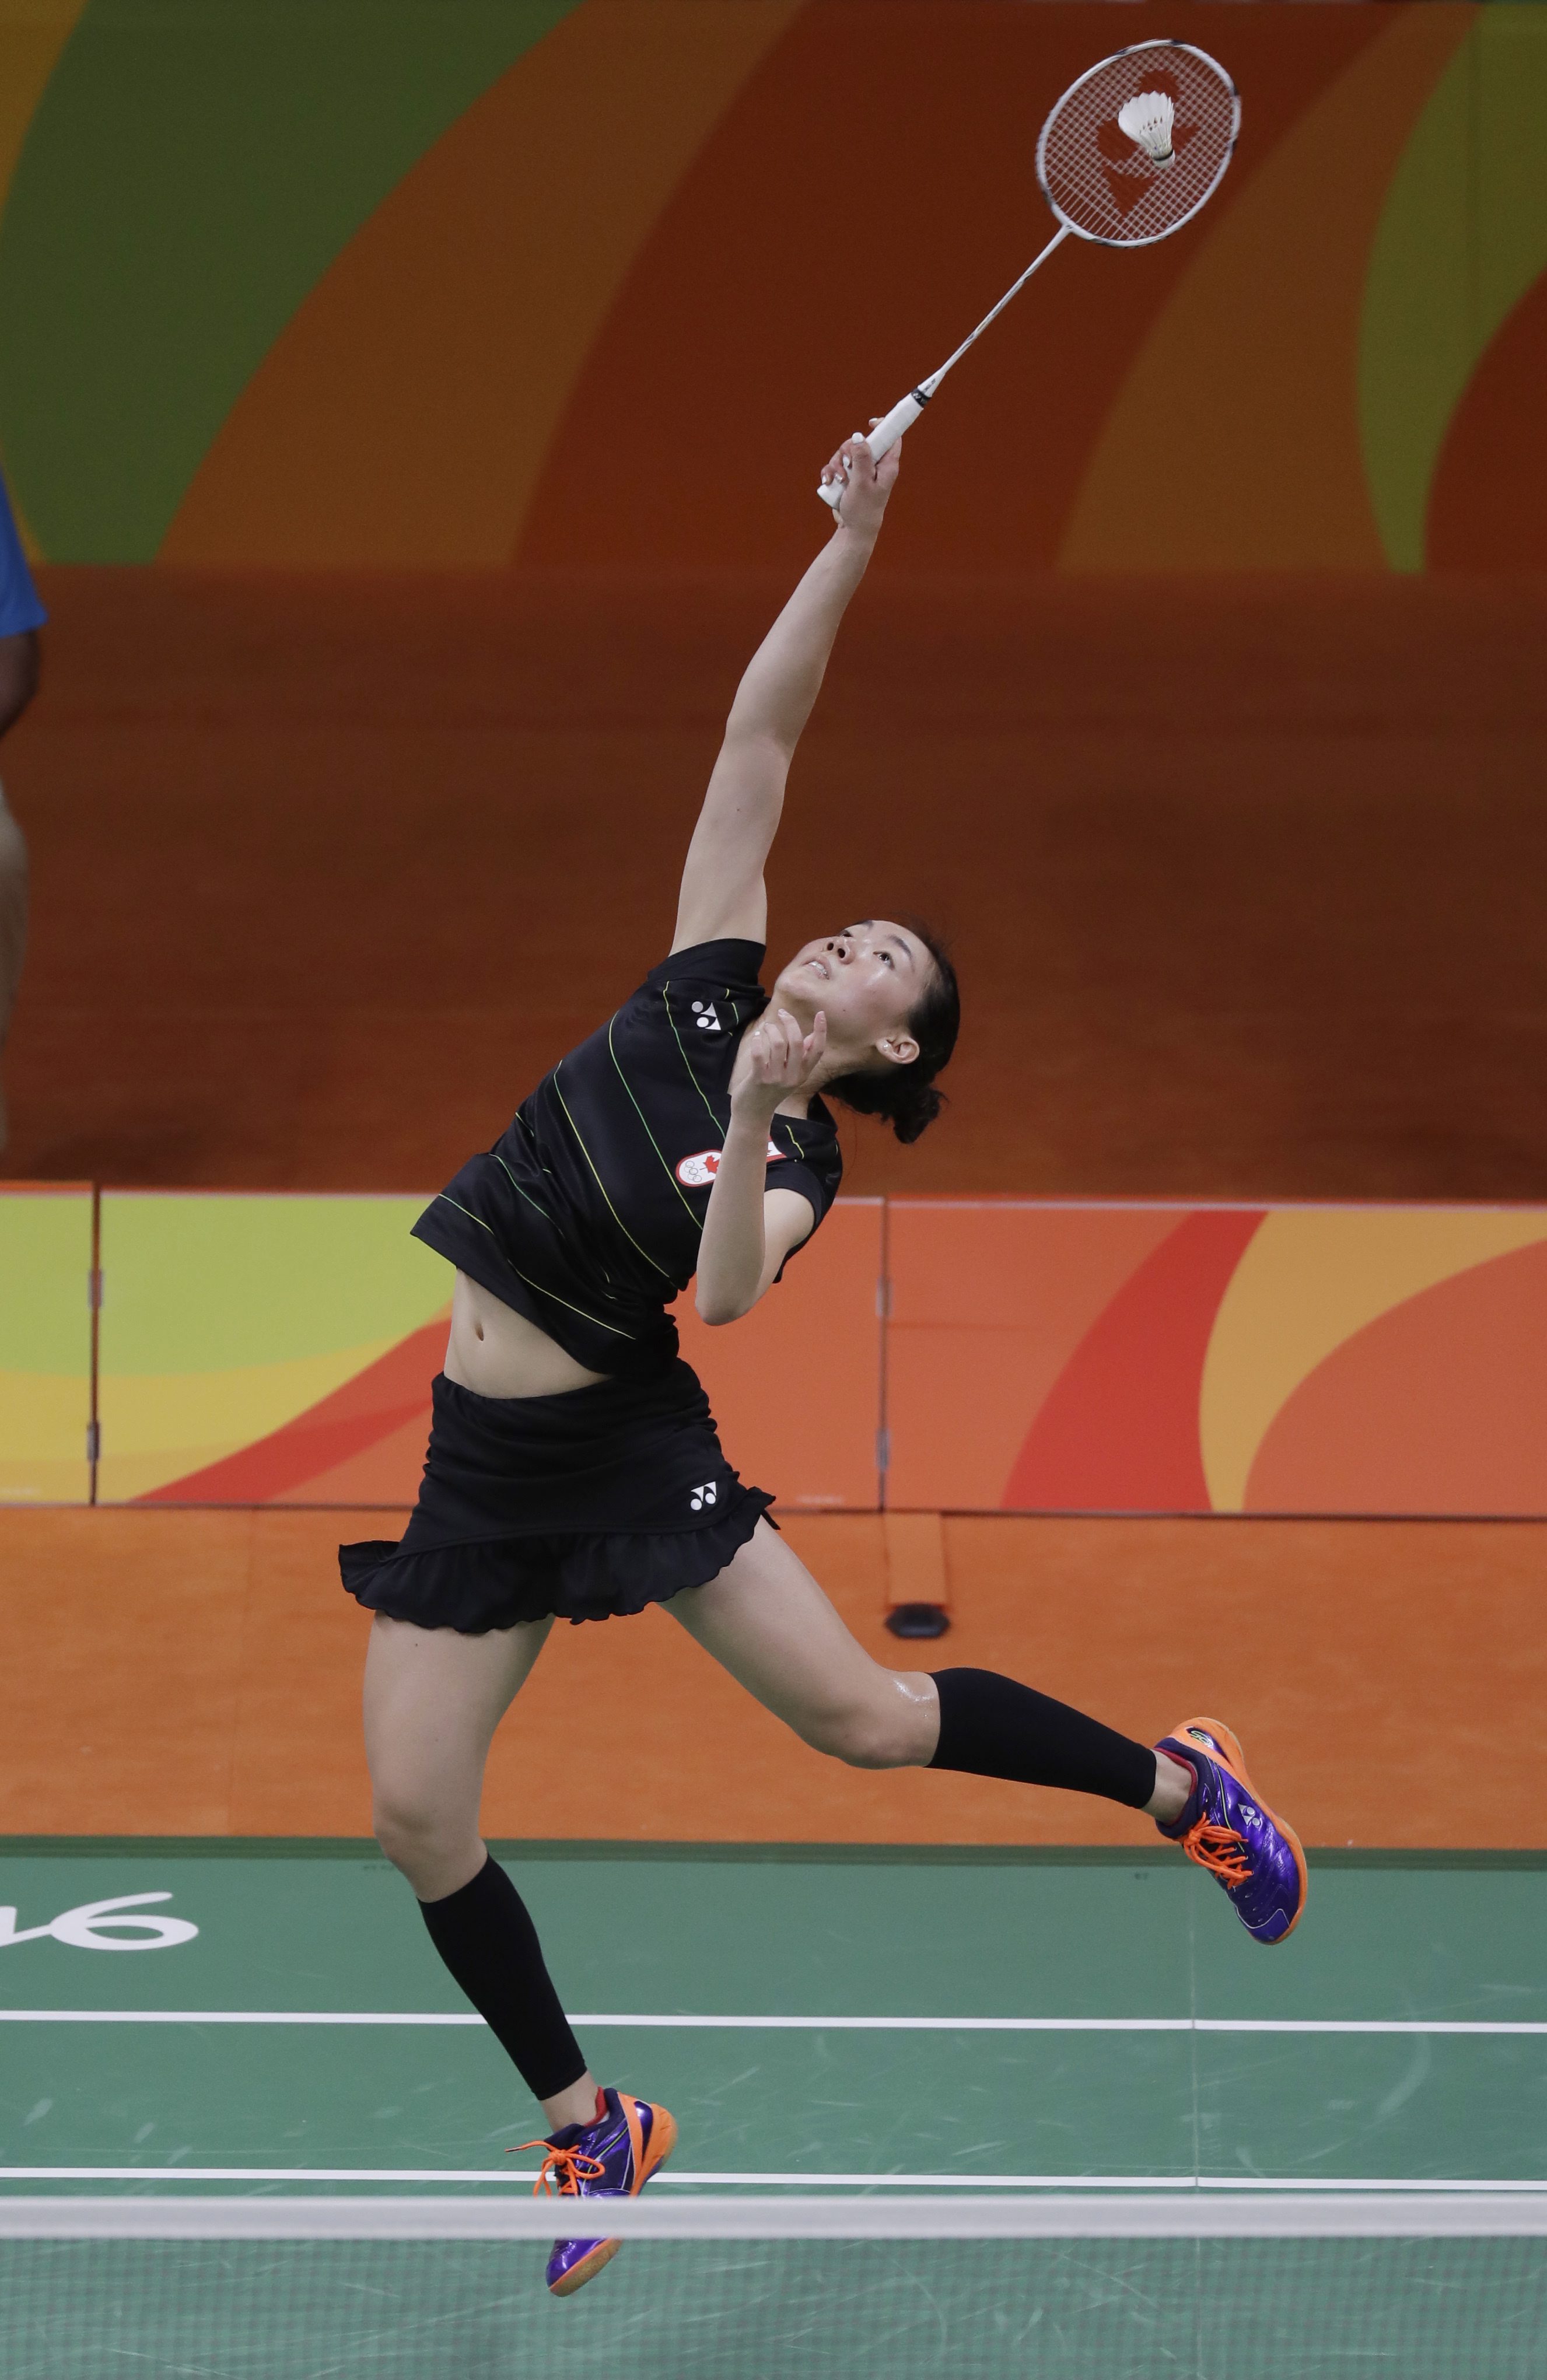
(1128, 155)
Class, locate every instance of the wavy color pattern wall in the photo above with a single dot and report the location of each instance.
(261, 1349)
(482, 286)
(280, 1351)
(45, 1343)
(1224, 1359)
(1007, 1355)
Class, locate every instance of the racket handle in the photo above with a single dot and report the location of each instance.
(881, 440)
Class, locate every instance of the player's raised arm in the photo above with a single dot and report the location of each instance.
(722, 883)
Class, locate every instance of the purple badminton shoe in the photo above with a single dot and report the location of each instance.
(1229, 1829)
(613, 2158)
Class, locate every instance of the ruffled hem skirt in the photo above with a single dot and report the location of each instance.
(586, 1506)
(599, 1575)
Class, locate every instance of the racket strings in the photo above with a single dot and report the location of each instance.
(1102, 183)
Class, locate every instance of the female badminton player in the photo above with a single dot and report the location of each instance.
(574, 1471)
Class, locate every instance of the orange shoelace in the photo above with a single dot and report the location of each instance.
(572, 2165)
(1219, 1849)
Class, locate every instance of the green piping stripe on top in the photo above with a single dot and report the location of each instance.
(541, 1288)
(516, 1187)
(639, 1110)
(600, 1184)
(666, 1002)
(465, 1210)
(555, 1299)
(795, 1152)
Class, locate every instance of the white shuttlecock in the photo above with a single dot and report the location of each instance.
(1147, 120)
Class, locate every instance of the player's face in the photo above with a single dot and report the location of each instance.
(868, 980)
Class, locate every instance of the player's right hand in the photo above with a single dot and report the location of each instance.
(784, 1060)
(867, 484)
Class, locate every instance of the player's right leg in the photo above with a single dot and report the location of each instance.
(432, 1701)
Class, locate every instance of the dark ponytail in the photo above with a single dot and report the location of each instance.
(906, 1096)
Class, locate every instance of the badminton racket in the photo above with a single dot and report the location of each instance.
(1127, 157)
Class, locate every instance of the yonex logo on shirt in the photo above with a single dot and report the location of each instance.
(696, 1171)
(702, 1495)
(708, 1016)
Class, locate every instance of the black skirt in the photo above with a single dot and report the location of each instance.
(585, 1506)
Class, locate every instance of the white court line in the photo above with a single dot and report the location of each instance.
(372, 2174)
(791, 2023)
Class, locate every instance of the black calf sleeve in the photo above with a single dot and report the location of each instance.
(992, 1726)
(490, 1944)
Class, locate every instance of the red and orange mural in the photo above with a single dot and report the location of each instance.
(923, 1355)
(1095, 1358)
(483, 287)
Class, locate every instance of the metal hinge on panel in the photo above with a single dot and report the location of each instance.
(93, 1442)
(882, 1450)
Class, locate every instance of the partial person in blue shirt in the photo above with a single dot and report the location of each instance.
(21, 616)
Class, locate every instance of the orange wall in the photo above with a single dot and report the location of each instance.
(198, 1673)
(1241, 879)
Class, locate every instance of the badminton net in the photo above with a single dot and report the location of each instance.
(1173, 2286)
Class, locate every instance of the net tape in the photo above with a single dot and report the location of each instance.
(1101, 183)
(1180, 2214)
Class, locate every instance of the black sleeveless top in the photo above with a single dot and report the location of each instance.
(586, 1215)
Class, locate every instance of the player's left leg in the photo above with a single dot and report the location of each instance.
(767, 1621)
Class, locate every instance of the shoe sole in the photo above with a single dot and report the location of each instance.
(586, 2270)
(663, 2140)
(1230, 1747)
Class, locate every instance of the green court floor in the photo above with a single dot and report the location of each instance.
(815, 2018)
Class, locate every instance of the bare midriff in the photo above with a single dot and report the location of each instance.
(497, 1353)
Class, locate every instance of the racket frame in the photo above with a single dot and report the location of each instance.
(905, 412)
(1133, 49)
